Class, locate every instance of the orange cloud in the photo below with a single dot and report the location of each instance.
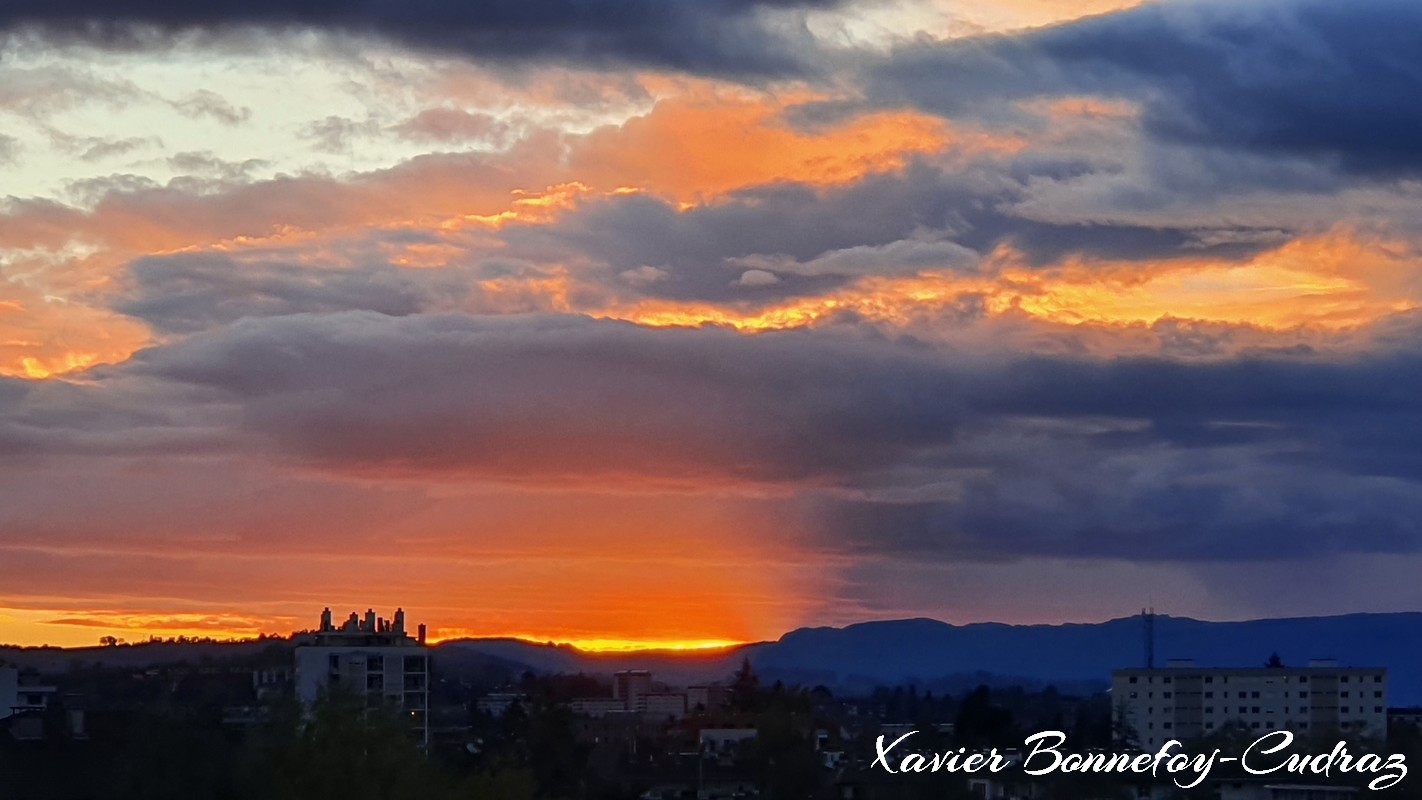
(691, 148)
(1332, 281)
(688, 148)
(43, 336)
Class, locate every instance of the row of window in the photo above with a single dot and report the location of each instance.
(1255, 695)
(378, 664)
(1256, 710)
(1225, 678)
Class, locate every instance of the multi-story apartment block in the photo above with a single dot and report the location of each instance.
(1183, 701)
(373, 658)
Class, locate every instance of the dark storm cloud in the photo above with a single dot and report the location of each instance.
(1312, 78)
(720, 36)
(1261, 458)
(891, 445)
(550, 396)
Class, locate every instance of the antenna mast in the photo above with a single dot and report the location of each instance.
(1148, 617)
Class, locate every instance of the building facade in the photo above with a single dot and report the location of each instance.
(629, 685)
(18, 696)
(373, 658)
(1182, 701)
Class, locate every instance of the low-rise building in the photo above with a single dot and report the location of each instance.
(707, 697)
(20, 694)
(722, 740)
(497, 704)
(597, 706)
(662, 705)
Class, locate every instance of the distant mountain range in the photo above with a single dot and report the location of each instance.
(943, 656)
(932, 654)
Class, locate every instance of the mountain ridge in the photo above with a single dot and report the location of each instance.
(858, 656)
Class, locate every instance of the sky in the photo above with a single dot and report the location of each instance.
(675, 322)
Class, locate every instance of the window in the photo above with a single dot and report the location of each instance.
(1254, 710)
(1243, 695)
(1342, 694)
(1343, 679)
(1377, 695)
(1133, 679)
(1377, 679)
(1244, 709)
(1254, 725)
(1166, 679)
(1209, 725)
(1303, 679)
(1377, 709)
(1343, 710)
(1209, 695)
(1210, 710)
(1133, 695)
(1165, 695)
(1254, 695)
(1166, 726)
(1209, 679)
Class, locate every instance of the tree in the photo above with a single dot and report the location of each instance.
(1123, 731)
(745, 688)
(982, 723)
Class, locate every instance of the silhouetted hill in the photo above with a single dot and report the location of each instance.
(141, 655)
(928, 652)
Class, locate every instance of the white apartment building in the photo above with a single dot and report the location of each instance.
(1183, 701)
(372, 657)
(17, 696)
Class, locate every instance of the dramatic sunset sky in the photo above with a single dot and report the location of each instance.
(682, 321)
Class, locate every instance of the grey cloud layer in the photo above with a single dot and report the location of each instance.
(889, 445)
(1314, 78)
(716, 36)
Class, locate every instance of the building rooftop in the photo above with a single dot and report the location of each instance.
(370, 631)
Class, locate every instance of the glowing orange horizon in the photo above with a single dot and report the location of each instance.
(608, 645)
(37, 628)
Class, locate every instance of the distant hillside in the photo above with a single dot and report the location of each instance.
(937, 655)
(136, 656)
(929, 652)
